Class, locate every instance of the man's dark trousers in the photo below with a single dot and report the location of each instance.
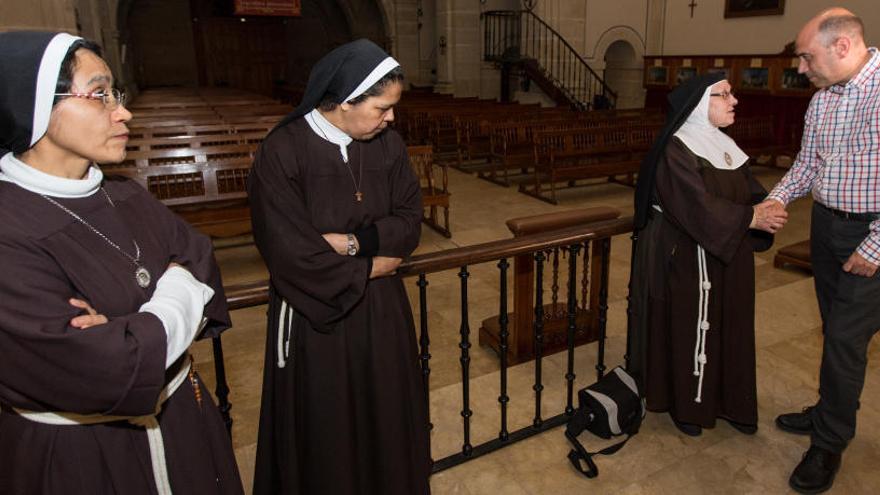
(850, 309)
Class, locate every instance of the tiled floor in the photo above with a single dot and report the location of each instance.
(659, 459)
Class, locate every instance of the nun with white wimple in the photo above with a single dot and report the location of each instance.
(692, 323)
(103, 290)
(335, 207)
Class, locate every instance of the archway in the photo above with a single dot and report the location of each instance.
(623, 74)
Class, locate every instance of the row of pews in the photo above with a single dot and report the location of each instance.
(542, 150)
(193, 150)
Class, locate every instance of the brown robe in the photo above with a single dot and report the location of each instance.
(47, 257)
(711, 207)
(346, 414)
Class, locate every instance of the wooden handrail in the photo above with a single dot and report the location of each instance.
(256, 293)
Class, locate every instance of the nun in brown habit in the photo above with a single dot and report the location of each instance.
(692, 325)
(103, 290)
(335, 207)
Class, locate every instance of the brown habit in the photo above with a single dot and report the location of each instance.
(118, 368)
(346, 414)
(710, 207)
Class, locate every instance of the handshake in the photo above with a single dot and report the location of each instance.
(769, 216)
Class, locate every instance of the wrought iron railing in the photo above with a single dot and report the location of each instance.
(590, 243)
(521, 37)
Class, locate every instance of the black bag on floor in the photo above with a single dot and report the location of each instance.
(608, 408)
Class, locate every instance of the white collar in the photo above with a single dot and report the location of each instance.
(329, 132)
(23, 175)
(707, 141)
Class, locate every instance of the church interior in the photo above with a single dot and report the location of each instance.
(500, 93)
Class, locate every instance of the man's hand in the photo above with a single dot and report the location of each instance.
(339, 243)
(88, 320)
(384, 266)
(857, 265)
(769, 216)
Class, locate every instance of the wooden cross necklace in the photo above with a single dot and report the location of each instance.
(358, 195)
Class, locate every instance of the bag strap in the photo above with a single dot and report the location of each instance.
(579, 454)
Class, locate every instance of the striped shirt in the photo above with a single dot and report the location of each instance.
(839, 160)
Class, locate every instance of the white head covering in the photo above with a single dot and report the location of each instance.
(707, 141)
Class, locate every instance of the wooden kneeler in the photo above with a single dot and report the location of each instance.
(797, 254)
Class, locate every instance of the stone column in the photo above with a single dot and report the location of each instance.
(655, 28)
(443, 45)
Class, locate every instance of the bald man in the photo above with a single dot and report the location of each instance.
(839, 163)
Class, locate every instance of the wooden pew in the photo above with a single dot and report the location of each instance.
(175, 156)
(204, 141)
(434, 195)
(757, 137)
(211, 196)
(572, 155)
(136, 132)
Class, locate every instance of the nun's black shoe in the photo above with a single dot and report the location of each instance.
(688, 428)
(798, 423)
(815, 473)
(743, 428)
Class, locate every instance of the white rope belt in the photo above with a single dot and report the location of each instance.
(702, 322)
(148, 422)
(285, 331)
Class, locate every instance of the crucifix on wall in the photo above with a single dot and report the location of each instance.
(692, 5)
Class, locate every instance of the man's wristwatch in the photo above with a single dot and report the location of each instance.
(352, 249)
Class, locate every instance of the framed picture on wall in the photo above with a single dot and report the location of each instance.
(792, 80)
(755, 78)
(657, 75)
(724, 71)
(749, 8)
(685, 73)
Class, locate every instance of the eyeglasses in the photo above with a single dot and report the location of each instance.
(111, 100)
(725, 95)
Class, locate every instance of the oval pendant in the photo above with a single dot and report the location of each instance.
(142, 276)
(728, 159)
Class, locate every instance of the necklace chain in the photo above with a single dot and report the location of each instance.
(358, 195)
(136, 259)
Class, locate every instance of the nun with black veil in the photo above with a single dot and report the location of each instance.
(103, 290)
(697, 224)
(335, 208)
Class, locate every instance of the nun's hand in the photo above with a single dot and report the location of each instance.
(90, 319)
(339, 242)
(769, 216)
(384, 266)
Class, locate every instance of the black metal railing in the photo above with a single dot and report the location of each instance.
(521, 37)
(585, 239)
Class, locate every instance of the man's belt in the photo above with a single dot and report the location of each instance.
(847, 215)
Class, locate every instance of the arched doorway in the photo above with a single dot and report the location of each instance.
(623, 74)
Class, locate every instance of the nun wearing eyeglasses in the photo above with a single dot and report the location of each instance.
(103, 290)
(335, 208)
(692, 326)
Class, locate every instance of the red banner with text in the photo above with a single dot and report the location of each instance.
(268, 7)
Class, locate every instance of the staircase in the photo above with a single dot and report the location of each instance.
(518, 40)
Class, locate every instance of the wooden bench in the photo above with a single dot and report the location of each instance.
(757, 138)
(211, 196)
(572, 155)
(203, 141)
(434, 195)
(138, 159)
(136, 132)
